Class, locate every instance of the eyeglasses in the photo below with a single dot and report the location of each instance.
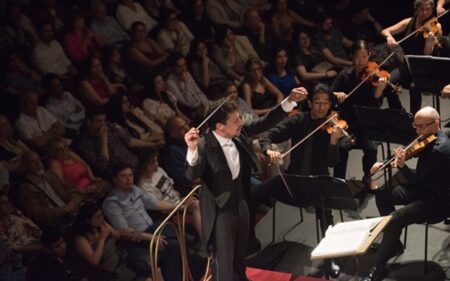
(421, 126)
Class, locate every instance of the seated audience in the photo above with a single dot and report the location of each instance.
(95, 88)
(281, 75)
(247, 114)
(225, 12)
(19, 76)
(363, 26)
(43, 197)
(69, 167)
(198, 22)
(23, 26)
(258, 34)
(173, 36)
(81, 42)
(11, 268)
(114, 69)
(48, 55)
(61, 103)
(102, 145)
(180, 83)
(51, 11)
(11, 147)
(129, 12)
(107, 27)
(133, 120)
(161, 105)
(126, 209)
(259, 93)
(35, 124)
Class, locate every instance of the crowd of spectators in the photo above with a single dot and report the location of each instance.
(93, 91)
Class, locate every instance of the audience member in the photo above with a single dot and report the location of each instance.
(35, 124)
(180, 83)
(51, 11)
(258, 92)
(126, 208)
(231, 52)
(43, 197)
(129, 12)
(225, 12)
(61, 103)
(52, 264)
(80, 41)
(11, 147)
(107, 27)
(144, 53)
(332, 43)
(23, 26)
(102, 145)
(145, 132)
(205, 71)
(281, 75)
(11, 268)
(115, 70)
(247, 114)
(69, 167)
(19, 76)
(95, 88)
(173, 36)
(198, 22)
(161, 104)
(363, 26)
(48, 55)
(259, 36)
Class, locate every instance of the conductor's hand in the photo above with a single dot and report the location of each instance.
(191, 138)
(298, 94)
(375, 167)
(275, 156)
(341, 96)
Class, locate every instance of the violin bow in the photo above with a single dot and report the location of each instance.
(214, 111)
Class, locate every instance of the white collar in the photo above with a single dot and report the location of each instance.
(222, 140)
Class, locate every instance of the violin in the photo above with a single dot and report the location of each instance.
(372, 73)
(416, 148)
(431, 27)
(338, 121)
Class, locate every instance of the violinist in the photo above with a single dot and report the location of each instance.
(425, 197)
(312, 157)
(365, 95)
(423, 42)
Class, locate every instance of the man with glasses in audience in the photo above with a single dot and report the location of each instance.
(425, 197)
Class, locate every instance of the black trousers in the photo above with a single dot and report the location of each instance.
(230, 243)
(416, 210)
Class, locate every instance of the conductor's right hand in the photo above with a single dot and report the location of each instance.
(375, 167)
(275, 156)
(191, 138)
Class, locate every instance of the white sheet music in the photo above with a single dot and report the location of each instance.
(345, 237)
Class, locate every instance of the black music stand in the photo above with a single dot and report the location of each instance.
(429, 74)
(323, 192)
(386, 125)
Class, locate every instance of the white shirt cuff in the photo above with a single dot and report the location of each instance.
(192, 157)
(287, 105)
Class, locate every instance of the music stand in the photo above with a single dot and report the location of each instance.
(386, 125)
(429, 74)
(324, 192)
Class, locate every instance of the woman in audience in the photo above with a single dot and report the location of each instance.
(281, 75)
(154, 180)
(161, 104)
(310, 64)
(81, 42)
(204, 70)
(16, 230)
(259, 93)
(69, 167)
(94, 240)
(144, 53)
(133, 120)
(95, 88)
(174, 36)
(231, 52)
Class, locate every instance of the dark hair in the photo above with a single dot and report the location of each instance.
(94, 111)
(144, 158)
(221, 33)
(247, 13)
(81, 224)
(136, 24)
(50, 236)
(48, 79)
(164, 15)
(173, 58)
(322, 17)
(221, 115)
(43, 24)
(273, 57)
(248, 65)
(359, 45)
(119, 167)
(322, 88)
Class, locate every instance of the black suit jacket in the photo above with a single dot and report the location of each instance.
(212, 167)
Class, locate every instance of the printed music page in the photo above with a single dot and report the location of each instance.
(345, 237)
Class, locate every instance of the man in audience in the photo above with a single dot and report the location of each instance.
(126, 208)
(44, 197)
(103, 145)
(180, 83)
(61, 103)
(257, 34)
(107, 27)
(225, 12)
(35, 124)
(48, 55)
